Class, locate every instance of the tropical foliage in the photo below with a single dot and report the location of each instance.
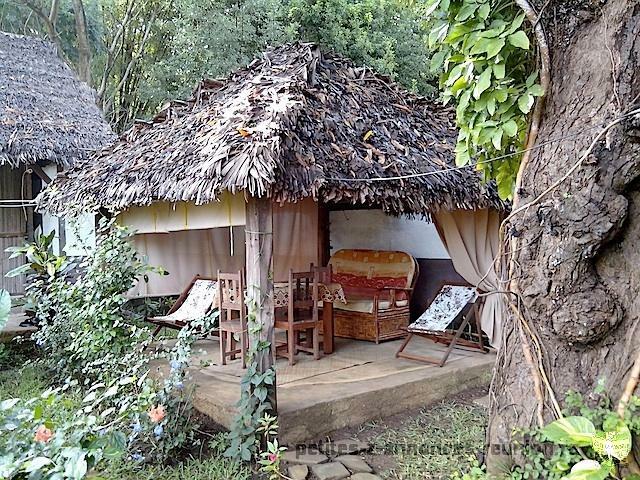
(488, 70)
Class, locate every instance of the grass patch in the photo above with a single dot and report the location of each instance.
(26, 382)
(434, 444)
(214, 468)
(19, 378)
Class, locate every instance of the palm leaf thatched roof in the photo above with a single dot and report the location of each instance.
(46, 113)
(294, 123)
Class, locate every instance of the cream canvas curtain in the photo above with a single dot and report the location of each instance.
(163, 217)
(471, 237)
(187, 252)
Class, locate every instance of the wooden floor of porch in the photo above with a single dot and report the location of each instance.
(359, 382)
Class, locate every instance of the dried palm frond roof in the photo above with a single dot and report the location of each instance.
(294, 123)
(46, 113)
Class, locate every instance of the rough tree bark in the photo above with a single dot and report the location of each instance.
(576, 261)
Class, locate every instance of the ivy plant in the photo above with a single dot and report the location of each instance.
(488, 70)
(254, 427)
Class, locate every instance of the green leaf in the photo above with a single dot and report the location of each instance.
(510, 128)
(531, 79)
(21, 270)
(438, 60)
(525, 102)
(496, 139)
(5, 307)
(613, 444)
(505, 187)
(575, 431)
(467, 10)
(458, 85)
(463, 103)
(515, 24)
(484, 82)
(438, 33)
(519, 40)
(490, 46)
(491, 105)
(535, 90)
(462, 158)
(495, 47)
(484, 10)
(589, 470)
(36, 464)
(431, 7)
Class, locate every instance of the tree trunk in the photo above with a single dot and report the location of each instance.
(84, 49)
(576, 253)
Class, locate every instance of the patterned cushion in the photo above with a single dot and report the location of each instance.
(373, 269)
(366, 306)
(197, 304)
(444, 309)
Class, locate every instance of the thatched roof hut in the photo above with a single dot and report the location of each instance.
(295, 123)
(46, 113)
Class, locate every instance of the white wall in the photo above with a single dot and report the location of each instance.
(373, 229)
(80, 233)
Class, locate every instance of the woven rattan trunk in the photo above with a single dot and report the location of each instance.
(387, 325)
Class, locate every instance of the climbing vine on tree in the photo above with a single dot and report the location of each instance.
(488, 70)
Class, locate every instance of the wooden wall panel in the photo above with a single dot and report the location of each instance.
(13, 227)
(433, 273)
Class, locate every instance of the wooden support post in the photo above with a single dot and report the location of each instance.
(324, 241)
(62, 229)
(259, 236)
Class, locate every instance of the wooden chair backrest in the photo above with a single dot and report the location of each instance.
(303, 295)
(231, 296)
(325, 274)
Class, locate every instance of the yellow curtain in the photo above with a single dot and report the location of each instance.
(187, 252)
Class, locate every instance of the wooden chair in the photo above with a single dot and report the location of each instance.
(301, 315)
(233, 318)
(437, 323)
(194, 302)
(324, 273)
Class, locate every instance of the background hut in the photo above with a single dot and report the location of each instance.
(294, 127)
(48, 122)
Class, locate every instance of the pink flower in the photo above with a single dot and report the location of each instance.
(273, 457)
(43, 434)
(157, 414)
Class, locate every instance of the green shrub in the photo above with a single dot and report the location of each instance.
(105, 405)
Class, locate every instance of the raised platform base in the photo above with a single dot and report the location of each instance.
(360, 382)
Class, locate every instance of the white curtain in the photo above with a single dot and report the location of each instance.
(188, 251)
(472, 237)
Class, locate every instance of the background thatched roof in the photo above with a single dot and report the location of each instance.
(46, 113)
(293, 124)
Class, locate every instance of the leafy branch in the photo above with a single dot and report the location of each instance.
(488, 70)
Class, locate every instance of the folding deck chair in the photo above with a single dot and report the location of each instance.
(195, 302)
(437, 323)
